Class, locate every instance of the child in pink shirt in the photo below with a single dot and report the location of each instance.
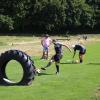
(45, 42)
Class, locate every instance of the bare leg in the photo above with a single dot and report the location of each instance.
(43, 54)
(57, 67)
(46, 55)
(81, 58)
(49, 64)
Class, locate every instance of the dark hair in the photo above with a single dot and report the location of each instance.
(46, 35)
(54, 40)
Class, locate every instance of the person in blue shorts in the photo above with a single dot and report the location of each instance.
(58, 55)
(81, 49)
(46, 42)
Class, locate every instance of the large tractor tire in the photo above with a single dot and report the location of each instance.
(26, 63)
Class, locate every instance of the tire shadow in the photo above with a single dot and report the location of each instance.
(5, 83)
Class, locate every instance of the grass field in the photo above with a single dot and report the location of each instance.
(75, 81)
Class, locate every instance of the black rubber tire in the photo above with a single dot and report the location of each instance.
(26, 63)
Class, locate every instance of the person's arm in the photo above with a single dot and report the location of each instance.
(42, 42)
(67, 47)
(74, 53)
(50, 40)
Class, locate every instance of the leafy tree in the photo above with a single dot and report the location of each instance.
(6, 23)
(45, 15)
(48, 15)
(95, 4)
(78, 13)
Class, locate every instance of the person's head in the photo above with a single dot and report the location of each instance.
(46, 35)
(54, 41)
(73, 46)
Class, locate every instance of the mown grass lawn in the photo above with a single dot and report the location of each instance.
(75, 81)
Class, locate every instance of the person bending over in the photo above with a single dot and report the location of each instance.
(81, 49)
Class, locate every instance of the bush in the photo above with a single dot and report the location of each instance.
(49, 17)
(6, 23)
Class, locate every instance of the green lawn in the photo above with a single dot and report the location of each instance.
(75, 81)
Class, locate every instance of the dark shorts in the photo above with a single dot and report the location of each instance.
(57, 57)
(82, 52)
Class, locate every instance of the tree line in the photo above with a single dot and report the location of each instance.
(52, 16)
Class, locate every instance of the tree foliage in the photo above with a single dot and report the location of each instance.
(6, 23)
(48, 15)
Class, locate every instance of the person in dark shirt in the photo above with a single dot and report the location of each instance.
(81, 49)
(58, 55)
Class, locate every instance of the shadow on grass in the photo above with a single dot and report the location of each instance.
(68, 63)
(40, 74)
(7, 83)
(93, 64)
